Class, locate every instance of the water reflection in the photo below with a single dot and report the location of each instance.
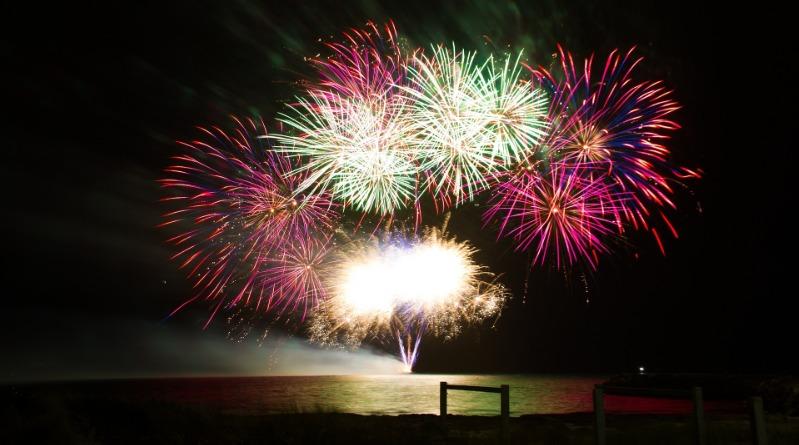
(378, 394)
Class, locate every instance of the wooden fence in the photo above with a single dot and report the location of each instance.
(503, 391)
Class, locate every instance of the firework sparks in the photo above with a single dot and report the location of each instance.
(355, 148)
(293, 275)
(350, 128)
(399, 288)
(240, 200)
(517, 112)
(469, 119)
(368, 64)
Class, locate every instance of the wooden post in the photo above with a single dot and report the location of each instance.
(758, 421)
(599, 416)
(699, 416)
(504, 396)
(443, 400)
(505, 401)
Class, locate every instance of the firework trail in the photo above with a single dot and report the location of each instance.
(237, 206)
(619, 126)
(402, 287)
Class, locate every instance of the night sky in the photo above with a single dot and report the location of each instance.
(95, 96)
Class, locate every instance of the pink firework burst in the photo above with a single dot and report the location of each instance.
(566, 212)
(619, 126)
(236, 204)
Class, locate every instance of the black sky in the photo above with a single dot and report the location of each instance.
(95, 95)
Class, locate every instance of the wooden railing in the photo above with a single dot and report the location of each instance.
(503, 391)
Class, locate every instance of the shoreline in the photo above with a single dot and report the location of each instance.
(69, 419)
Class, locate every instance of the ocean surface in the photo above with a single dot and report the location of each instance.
(379, 394)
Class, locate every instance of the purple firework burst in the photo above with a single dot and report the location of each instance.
(565, 212)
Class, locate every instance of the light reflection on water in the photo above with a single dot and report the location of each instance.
(382, 394)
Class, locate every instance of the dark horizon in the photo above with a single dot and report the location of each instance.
(96, 105)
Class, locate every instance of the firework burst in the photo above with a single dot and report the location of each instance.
(349, 125)
(354, 148)
(401, 288)
(618, 125)
(238, 204)
(469, 119)
(566, 213)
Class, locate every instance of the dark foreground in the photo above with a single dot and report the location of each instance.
(28, 418)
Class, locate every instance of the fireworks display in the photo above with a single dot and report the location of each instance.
(567, 160)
